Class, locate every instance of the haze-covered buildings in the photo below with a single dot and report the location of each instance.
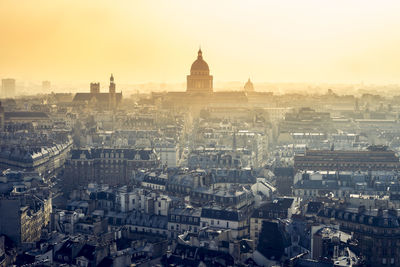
(374, 159)
(111, 166)
(97, 99)
(200, 177)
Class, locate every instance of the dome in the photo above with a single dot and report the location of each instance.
(199, 65)
(249, 86)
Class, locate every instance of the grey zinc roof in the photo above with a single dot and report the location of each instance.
(25, 114)
(147, 220)
(128, 153)
(368, 217)
(100, 97)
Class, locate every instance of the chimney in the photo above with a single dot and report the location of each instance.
(380, 212)
(393, 212)
(361, 209)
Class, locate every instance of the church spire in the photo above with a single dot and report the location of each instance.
(112, 100)
(199, 54)
(234, 145)
(112, 85)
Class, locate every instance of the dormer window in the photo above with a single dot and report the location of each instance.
(385, 222)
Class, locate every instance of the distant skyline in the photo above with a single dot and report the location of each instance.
(157, 41)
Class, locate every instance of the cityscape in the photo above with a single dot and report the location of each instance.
(197, 169)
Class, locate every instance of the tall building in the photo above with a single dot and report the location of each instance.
(95, 88)
(112, 103)
(200, 94)
(1, 118)
(199, 80)
(8, 87)
(249, 87)
(27, 215)
(46, 86)
(109, 100)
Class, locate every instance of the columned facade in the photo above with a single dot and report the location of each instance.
(199, 80)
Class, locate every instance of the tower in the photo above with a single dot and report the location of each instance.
(46, 86)
(234, 145)
(1, 118)
(112, 85)
(8, 87)
(199, 80)
(249, 87)
(94, 88)
(111, 93)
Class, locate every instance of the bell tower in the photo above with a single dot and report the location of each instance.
(112, 100)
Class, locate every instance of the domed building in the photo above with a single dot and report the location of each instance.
(200, 95)
(249, 87)
(199, 80)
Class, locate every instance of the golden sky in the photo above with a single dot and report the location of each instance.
(149, 40)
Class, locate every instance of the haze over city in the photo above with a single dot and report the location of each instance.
(73, 42)
(199, 133)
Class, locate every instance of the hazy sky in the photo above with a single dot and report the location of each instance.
(141, 41)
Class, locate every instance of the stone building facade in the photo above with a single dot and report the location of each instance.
(106, 165)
